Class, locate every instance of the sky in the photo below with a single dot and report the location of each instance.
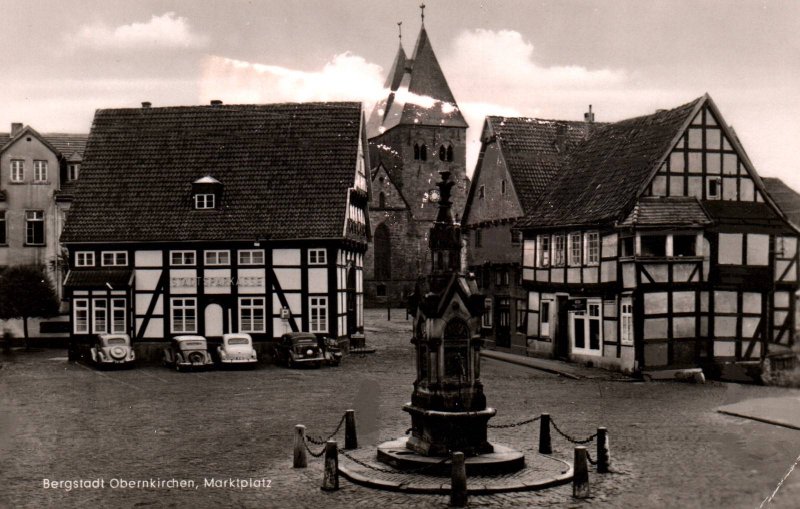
(540, 58)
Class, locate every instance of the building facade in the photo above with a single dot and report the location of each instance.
(417, 131)
(215, 219)
(656, 246)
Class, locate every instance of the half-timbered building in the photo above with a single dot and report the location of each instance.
(216, 219)
(656, 246)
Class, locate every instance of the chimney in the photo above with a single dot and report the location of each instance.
(16, 128)
(216, 102)
(588, 117)
(589, 127)
(146, 104)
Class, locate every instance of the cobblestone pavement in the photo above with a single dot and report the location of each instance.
(62, 421)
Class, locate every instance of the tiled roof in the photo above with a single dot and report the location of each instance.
(532, 151)
(86, 278)
(285, 168)
(787, 199)
(604, 174)
(742, 213)
(658, 211)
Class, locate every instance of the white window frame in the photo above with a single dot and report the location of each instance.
(317, 256)
(119, 305)
(73, 171)
(488, 310)
(80, 307)
(717, 196)
(214, 257)
(17, 170)
(205, 201)
(248, 307)
(574, 246)
(543, 251)
(587, 318)
(182, 305)
(39, 170)
(184, 258)
(544, 318)
(528, 252)
(100, 312)
(592, 253)
(84, 259)
(34, 216)
(558, 248)
(626, 323)
(118, 258)
(247, 256)
(318, 314)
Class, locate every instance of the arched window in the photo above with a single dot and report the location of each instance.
(382, 201)
(442, 153)
(449, 152)
(383, 253)
(416, 151)
(423, 152)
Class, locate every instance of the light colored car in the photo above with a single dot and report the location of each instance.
(188, 352)
(112, 349)
(237, 349)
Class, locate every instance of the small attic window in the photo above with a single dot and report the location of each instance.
(207, 193)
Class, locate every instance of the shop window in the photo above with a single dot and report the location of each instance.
(318, 314)
(184, 315)
(251, 315)
(654, 245)
(182, 258)
(80, 309)
(251, 257)
(684, 245)
(84, 259)
(114, 258)
(218, 257)
(34, 227)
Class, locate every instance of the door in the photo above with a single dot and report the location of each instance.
(352, 323)
(213, 320)
(562, 328)
(503, 322)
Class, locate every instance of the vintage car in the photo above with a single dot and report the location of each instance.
(237, 349)
(112, 350)
(298, 349)
(187, 352)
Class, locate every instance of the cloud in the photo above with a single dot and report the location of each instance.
(165, 31)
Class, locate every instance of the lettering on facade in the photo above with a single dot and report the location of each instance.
(216, 282)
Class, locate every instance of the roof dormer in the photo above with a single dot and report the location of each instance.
(207, 193)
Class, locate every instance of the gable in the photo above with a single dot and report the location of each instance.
(382, 184)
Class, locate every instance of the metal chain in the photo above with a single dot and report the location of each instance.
(321, 441)
(514, 424)
(571, 438)
(388, 471)
(589, 457)
(312, 453)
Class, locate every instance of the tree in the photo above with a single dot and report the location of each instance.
(26, 292)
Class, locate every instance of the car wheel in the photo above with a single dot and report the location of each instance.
(177, 367)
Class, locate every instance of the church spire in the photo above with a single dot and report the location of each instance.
(400, 32)
(422, 12)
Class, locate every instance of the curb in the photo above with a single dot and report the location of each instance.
(759, 419)
(522, 361)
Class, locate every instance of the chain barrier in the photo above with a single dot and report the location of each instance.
(589, 457)
(514, 424)
(392, 471)
(571, 438)
(321, 441)
(312, 453)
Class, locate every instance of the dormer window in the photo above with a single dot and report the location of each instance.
(207, 193)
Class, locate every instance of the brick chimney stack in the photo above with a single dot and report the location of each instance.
(16, 128)
(589, 116)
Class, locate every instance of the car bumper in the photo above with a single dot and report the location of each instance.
(238, 361)
(308, 360)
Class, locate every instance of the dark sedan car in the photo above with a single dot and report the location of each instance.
(298, 349)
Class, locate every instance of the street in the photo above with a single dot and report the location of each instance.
(65, 421)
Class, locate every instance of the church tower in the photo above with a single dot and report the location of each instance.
(415, 133)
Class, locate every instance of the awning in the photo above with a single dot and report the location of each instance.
(117, 279)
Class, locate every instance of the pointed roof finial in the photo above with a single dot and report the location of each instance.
(422, 12)
(400, 30)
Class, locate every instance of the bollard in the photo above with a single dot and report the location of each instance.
(458, 481)
(350, 437)
(330, 481)
(388, 310)
(544, 435)
(603, 452)
(580, 474)
(300, 459)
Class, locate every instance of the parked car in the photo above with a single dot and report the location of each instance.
(298, 349)
(331, 351)
(112, 350)
(237, 349)
(187, 352)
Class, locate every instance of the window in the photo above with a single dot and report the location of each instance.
(251, 257)
(505, 277)
(522, 313)
(543, 251)
(40, 171)
(80, 309)
(73, 169)
(442, 153)
(627, 245)
(544, 314)
(416, 151)
(714, 188)
(218, 257)
(84, 259)
(528, 252)
(184, 315)
(516, 238)
(586, 329)
(486, 321)
(559, 250)
(251, 315)
(449, 153)
(423, 152)
(683, 245)
(17, 170)
(204, 201)
(182, 258)
(318, 314)
(382, 200)
(654, 245)
(114, 258)
(626, 324)
(592, 248)
(316, 257)
(503, 186)
(118, 313)
(574, 247)
(3, 235)
(34, 228)
(482, 192)
(478, 238)
(100, 316)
